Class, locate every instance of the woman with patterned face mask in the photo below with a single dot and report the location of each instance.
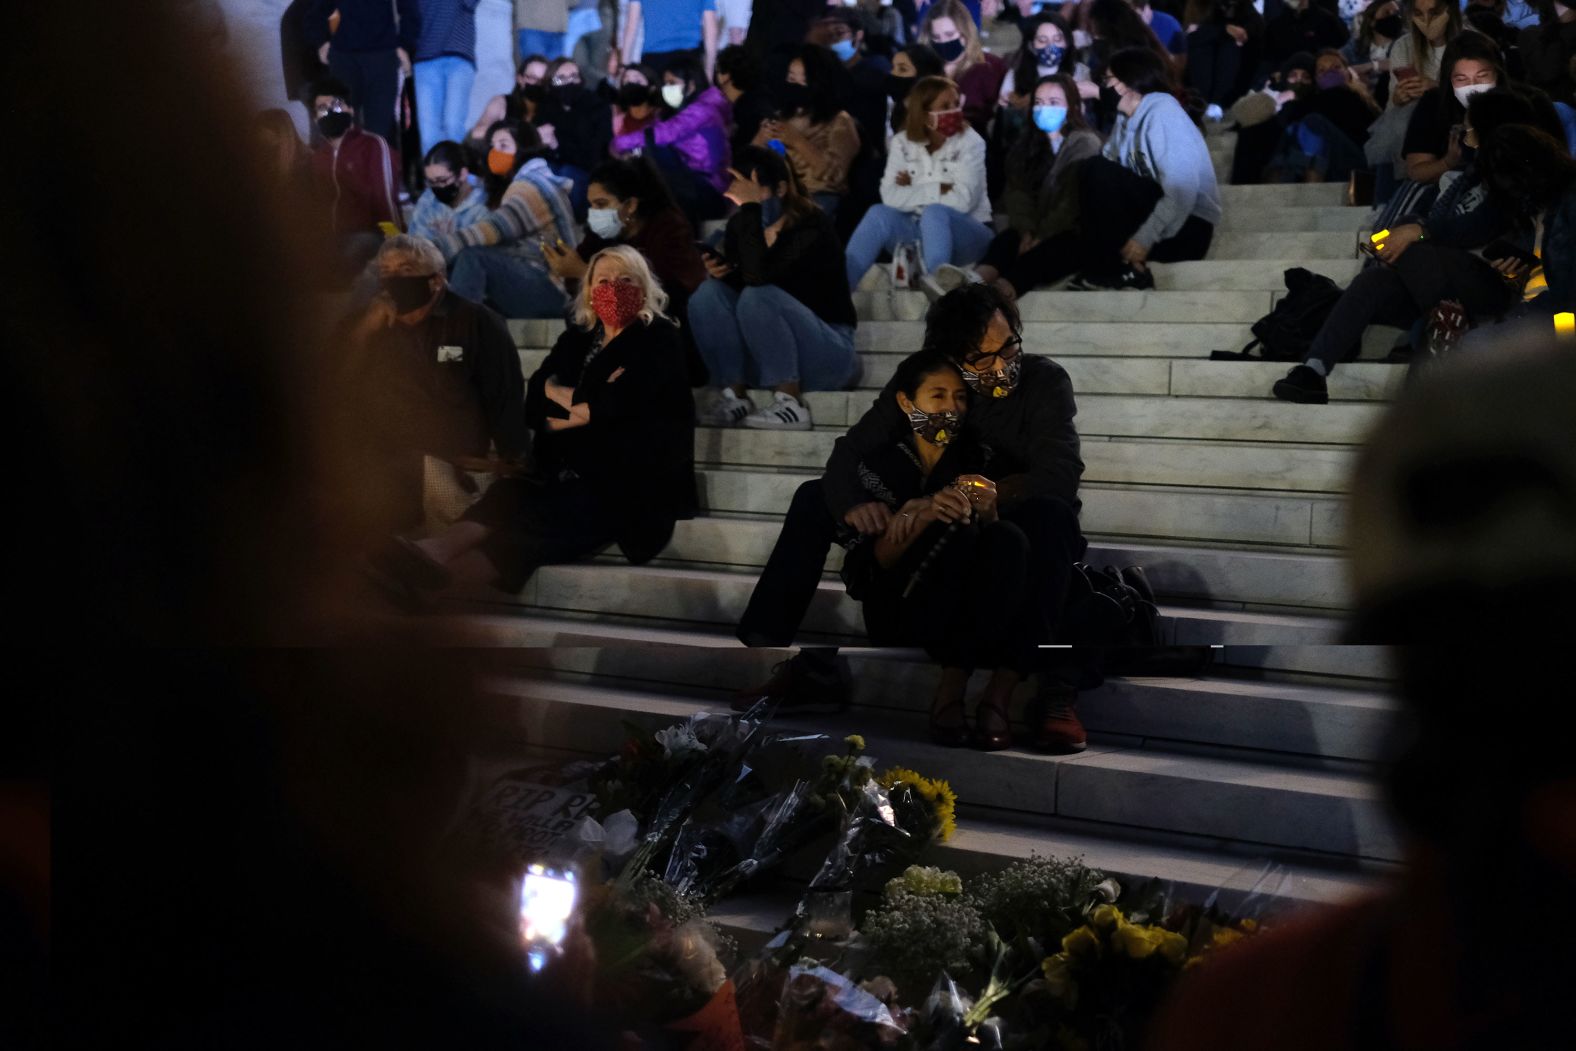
(946, 573)
(613, 451)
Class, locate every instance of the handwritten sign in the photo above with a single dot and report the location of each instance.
(525, 820)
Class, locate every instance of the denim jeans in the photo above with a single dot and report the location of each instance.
(558, 45)
(443, 99)
(513, 286)
(766, 337)
(945, 235)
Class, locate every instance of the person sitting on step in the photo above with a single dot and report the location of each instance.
(614, 447)
(1041, 176)
(933, 193)
(947, 573)
(775, 312)
(819, 137)
(1022, 407)
(453, 199)
(1444, 256)
(690, 144)
(1150, 197)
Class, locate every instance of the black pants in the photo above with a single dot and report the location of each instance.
(972, 607)
(1024, 271)
(373, 80)
(1399, 294)
(535, 524)
(792, 575)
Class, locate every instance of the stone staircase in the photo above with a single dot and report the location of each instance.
(1231, 501)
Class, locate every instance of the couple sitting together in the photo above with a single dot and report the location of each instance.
(955, 498)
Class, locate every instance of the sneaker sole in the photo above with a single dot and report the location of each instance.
(1301, 396)
(803, 425)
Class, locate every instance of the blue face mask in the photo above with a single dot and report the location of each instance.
(1050, 119)
(771, 210)
(843, 49)
(1050, 57)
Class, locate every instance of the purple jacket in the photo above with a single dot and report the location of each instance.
(698, 132)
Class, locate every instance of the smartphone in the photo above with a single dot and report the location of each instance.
(547, 901)
(712, 251)
(1503, 249)
(1406, 73)
(388, 228)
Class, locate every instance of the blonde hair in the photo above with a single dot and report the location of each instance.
(973, 49)
(654, 301)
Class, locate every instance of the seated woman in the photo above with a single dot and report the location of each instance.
(775, 312)
(1471, 64)
(948, 27)
(520, 105)
(498, 259)
(577, 124)
(1046, 51)
(635, 100)
(1327, 125)
(1151, 195)
(933, 192)
(690, 147)
(1041, 199)
(1429, 259)
(453, 199)
(1225, 42)
(631, 205)
(613, 454)
(947, 573)
(822, 140)
(909, 66)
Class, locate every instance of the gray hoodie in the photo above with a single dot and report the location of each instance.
(1160, 142)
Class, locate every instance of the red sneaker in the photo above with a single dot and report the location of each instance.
(1060, 731)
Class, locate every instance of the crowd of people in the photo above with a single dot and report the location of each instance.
(701, 198)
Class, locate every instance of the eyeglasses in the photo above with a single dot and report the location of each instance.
(444, 184)
(323, 109)
(566, 78)
(1010, 348)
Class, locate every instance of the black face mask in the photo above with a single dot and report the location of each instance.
(1109, 98)
(951, 51)
(794, 97)
(634, 95)
(568, 93)
(408, 293)
(535, 93)
(333, 125)
(1389, 25)
(446, 195)
(897, 88)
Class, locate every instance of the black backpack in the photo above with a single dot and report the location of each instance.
(1286, 333)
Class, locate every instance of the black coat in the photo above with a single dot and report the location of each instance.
(583, 128)
(638, 451)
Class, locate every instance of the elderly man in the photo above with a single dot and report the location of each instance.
(437, 378)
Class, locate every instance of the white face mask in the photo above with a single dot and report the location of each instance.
(1466, 91)
(604, 223)
(673, 95)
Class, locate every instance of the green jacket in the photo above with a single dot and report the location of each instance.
(1036, 200)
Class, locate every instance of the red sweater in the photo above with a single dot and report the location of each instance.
(358, 178)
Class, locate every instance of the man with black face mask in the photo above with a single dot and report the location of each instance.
(354, 170)
(437, 378)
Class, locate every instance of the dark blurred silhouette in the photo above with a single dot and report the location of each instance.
(1463, 546)
(249, 846)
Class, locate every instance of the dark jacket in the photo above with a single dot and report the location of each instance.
(1558, 255)
(806, 261)
(1036, 201)
(1546, 53)
(583, 127)
(1341, 106)
(639, 448)
(1030, 435)
(1463, 216)
(1312, 30)
(364, 25)
(442, 404)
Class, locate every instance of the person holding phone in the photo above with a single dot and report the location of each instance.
(1463, 252)
(946, 573)
(821, 140)
(775, 312)
(1472, 64)
(1415, 58)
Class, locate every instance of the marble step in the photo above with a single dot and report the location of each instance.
(1292, 220)
(1271, 720)
(1324, 663)
(1281, 466)
(1239, 801)
(1286, 519)
(880, 304)
(1186, 377)
(1266, 273)
(1240, 244)
(1283, 195)
(677, 596)
(1193, 574)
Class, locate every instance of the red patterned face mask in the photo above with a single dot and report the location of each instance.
(948, 122)
(617, 302)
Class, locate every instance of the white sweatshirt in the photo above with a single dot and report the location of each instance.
(959, 162)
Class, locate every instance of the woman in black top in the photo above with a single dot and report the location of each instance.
(614, 446)
(776, 311)
(946, 573)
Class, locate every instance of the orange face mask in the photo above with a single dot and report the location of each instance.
(499, 162)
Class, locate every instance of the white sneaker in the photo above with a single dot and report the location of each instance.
(949, 277)
(726, 411)
(786, 413)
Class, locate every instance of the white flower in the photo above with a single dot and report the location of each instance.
(678, 742)
(1108, 891)
(621, 829)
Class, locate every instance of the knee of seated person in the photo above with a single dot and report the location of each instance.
(1004, 540)
(1037, 513)
(760, 299)
(809, 495)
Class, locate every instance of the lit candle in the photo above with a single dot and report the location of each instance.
(1565, 326)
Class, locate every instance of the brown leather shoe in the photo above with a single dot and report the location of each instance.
(1060, 732)
(992, 728)
(798, 685)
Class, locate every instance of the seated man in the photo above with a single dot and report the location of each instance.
(1022, 408)
(436, 378)
(357, 172)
